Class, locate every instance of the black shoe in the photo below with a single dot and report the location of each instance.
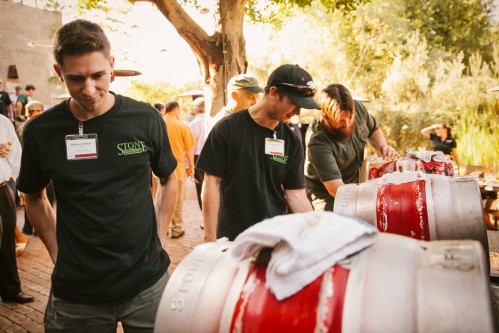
(19, 298)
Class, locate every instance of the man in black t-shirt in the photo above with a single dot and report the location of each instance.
(98, 148)
(253, 162)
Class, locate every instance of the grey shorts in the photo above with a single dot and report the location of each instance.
(137, 314)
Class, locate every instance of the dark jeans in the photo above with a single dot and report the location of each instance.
(137, 314)
(10, 284)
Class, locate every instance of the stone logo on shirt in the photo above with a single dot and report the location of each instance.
(280, 159)
(129, 148)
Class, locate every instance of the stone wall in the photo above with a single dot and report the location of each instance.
(26, 41)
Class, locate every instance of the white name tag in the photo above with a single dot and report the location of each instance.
(81, 147)
(274, 147)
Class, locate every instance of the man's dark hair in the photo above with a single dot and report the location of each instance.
(170, 106)
(280, 92)
(335, 98)
(80, 37)
(29, 87)
(159, 106)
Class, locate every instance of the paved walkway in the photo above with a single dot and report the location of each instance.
(35, 268)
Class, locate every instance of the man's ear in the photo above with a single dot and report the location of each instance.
(58, 71)
(274, 93)
(234, 95)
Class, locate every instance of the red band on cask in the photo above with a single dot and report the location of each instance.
(402, 209)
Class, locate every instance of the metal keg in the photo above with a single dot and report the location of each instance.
(413, 164)
(418, 205)
(397, 285)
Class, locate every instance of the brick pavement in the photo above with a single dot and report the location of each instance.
(35, 268)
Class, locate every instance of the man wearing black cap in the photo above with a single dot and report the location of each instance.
(253, 162)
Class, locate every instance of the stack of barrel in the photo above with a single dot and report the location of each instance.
(426, 272)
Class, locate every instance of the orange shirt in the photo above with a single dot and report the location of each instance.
(181, 139)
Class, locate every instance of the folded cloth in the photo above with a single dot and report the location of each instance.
(305, 246)
(427, 156)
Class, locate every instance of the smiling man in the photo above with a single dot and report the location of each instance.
(98, 149)
(253, 162)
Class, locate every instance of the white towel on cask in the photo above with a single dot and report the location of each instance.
(305, 246)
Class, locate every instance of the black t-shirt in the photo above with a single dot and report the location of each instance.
(106, 223)
(444, 146)
(252, 181)
(4, 103)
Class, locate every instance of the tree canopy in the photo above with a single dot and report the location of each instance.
(418, 62)
(222, 54)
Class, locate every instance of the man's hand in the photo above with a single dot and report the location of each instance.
(5, 148)
(387, 152)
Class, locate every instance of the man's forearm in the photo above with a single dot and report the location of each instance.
(211, 207)
(190, 160)
(10, 113)
(297, 201)
(378, 141)
(42, 217)
(19, 109)
(164, 203)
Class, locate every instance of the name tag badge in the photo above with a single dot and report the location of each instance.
(274, 147)
(81, 147)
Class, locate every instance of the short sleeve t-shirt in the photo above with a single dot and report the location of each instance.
(329, 159)
(444, 146)
(23, 98)
(181, 139)
(106, 224)
(252, 181)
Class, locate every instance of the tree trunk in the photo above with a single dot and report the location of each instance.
(219, 56)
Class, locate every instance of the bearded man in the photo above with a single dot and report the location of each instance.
(335, 144)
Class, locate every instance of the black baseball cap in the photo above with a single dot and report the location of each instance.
(297, 83)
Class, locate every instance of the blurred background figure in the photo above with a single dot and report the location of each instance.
(13, 98)
(5, 102)
(33, 108)
(10, 162)
(442, 140)
(22, 101)
(242, 92)
(197, 126)
(160, 107)
(182, 144)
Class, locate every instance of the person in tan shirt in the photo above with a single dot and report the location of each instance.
(182, 143)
